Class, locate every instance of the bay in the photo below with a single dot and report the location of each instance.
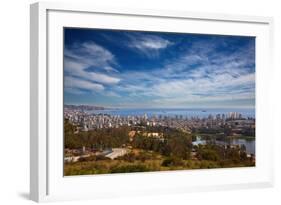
(173, 112)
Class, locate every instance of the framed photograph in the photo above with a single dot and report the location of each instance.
(127, 102)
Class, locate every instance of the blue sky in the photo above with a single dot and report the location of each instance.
(134, 69)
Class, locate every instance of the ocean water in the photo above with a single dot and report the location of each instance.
(173, 112)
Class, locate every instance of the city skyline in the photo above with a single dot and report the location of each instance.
(151, 69)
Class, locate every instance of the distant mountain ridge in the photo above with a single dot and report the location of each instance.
(84, 107)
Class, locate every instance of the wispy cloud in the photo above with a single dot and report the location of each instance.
(78, 85)
(79, 58)
(201, 77)
(157, 70)
(144, 42)
(90, 53)
(147, 44)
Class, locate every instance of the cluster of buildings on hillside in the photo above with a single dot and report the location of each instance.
(86, 121)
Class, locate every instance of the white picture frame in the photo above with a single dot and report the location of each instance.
(47, 182)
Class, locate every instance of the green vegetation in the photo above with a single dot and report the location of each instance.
(172, 161)
(100, 139)
(173, 150)
(173, 144)
(130, 168)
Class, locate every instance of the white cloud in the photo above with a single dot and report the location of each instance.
(228, 78)
(96, 54)
(200, 75)
(74, 91)
(149, 45)
(76, 85)
(101, 78)
(77, 61)
(90, 53)
(78, 70)
(151, 42)
(110, 69)
(216, 85)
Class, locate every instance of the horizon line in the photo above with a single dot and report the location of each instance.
(116, 107)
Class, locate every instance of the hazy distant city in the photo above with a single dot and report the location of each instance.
(88, 121)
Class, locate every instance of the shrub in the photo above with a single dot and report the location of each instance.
(92, 158)
(172, 161)
(129, 168)
(209, 154)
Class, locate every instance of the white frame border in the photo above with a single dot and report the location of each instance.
(39, 75)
